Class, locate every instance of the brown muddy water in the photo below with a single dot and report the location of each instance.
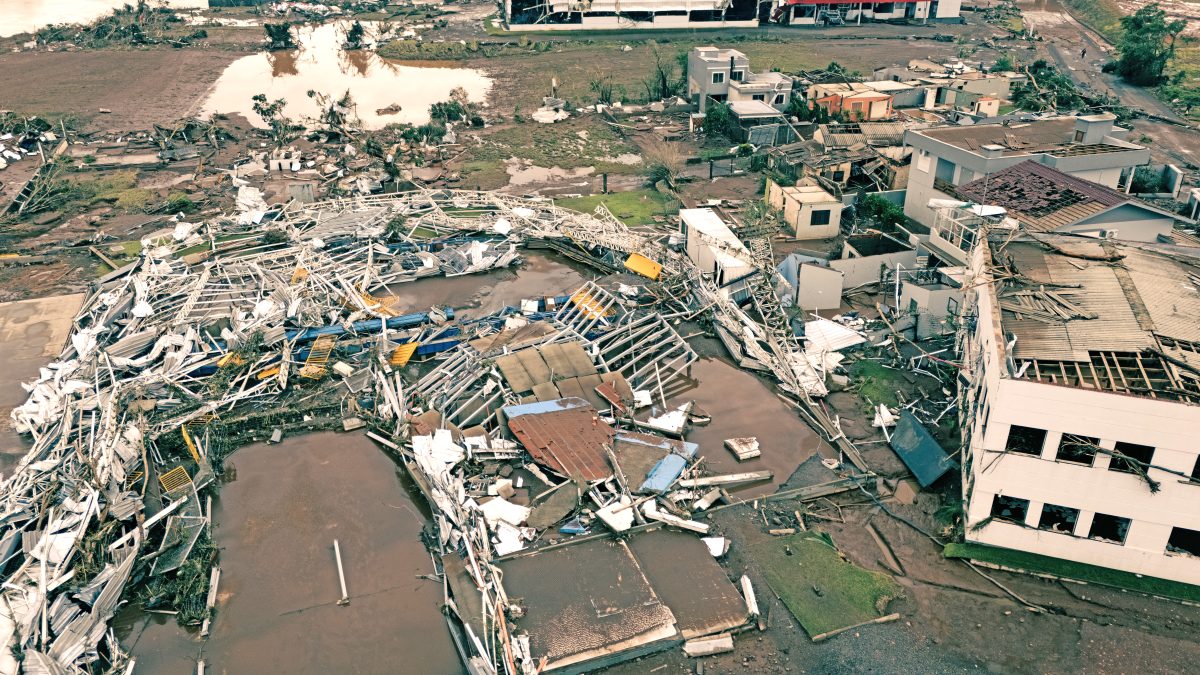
(321, 64)
(277, 610)
(26, 16)
(476, 295)
(742, 405)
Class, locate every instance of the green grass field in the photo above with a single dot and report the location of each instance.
(1040, 564)
(819, 588)
(637, 207)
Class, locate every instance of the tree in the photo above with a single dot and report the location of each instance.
(663, 81)
(664, 162)
(282, 130)
(719, 122)
(1147, 43)
(280, 35)
(884, 213)
(1003, 64)
(354, 36)
(1046, 89)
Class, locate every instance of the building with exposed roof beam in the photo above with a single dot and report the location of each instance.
(1080, 421)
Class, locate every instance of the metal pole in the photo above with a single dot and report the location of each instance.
(337, 552)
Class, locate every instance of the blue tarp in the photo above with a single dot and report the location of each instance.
(663, 473)
(668, 468)
(919, 451)
(543, 407)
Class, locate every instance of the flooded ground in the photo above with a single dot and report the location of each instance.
(33, 333)
(377, 86)
(743, 405)
(277, 610)
(476, 295)
(26, 16)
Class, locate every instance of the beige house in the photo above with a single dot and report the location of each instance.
(809, 211)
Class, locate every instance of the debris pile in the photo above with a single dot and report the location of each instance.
(537, 423)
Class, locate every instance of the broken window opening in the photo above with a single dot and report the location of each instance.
(1061, 519)
(1025, 440)
(1077, 449)
(1184, 541)
(1136, 460)
(1108, 528)
(1011, 509)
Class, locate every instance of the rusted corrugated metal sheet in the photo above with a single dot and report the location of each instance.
(565, 435)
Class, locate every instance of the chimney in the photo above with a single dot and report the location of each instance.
(992, 150)
(1091, 129)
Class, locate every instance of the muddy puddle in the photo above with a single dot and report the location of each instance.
(277, 610)
(477, 295)
(383, 92)
(743, 405)
(26, 16)
(523, 174)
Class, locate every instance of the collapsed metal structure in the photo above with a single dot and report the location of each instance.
(222, 320)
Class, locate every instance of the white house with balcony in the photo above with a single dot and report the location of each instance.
(1091, 147)
(1080, 425)
(724, 75)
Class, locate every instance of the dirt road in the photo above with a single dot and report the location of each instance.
(140, 87)
(1065, 42)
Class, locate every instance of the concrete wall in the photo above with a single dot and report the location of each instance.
(933, 306)
(818, 288)
(865, 270)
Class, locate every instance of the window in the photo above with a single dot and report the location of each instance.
(737, 75)
(1184, 541)
(1139, 457)
(923, 161)
(1077, 449)
(779, 99)
(718, 78)
(1078, 136)
(820, 217)
(839, 176)
(1010, 509)
(1025, 440)
(1109, 528)
(759, 97)
(1058, 519)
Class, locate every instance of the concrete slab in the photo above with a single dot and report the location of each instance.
(32, 333)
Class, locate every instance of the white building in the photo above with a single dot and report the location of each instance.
(715, 249)
(943, 158)
(725, 75)
(536, 15)
(809, 211)
(816, 12)
(1080, 433)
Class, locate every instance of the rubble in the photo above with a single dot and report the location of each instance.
(223, 320)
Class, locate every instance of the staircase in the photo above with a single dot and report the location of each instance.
(318, 356)
(402, 354)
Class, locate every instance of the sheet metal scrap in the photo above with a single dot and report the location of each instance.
(218, 318)
(566, 435)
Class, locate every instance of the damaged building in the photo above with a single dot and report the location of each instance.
(1090, 147)
(1080, 421)
(522, 15)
